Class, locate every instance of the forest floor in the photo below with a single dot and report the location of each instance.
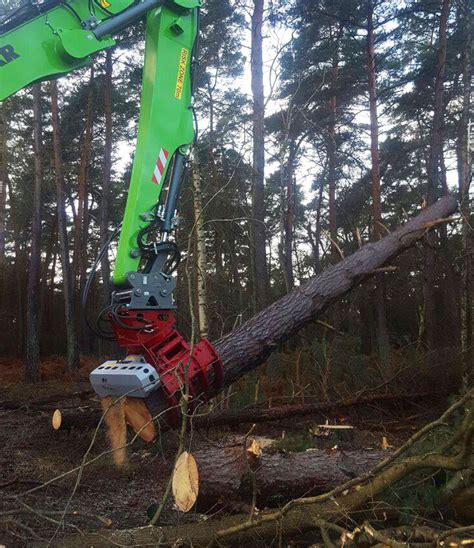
(32, 454)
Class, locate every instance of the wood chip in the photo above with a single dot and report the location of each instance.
(254, 449)
(139, 418)
(116, 429)
(185, 483)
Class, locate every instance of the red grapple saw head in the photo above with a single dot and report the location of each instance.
(152, 334)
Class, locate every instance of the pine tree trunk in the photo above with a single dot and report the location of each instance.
(51, 250)
(32, 366)
(464, 174)
(248, 346)
(225, 477)
(335, 257)
(219, 265)
(450, 283)
(258, 183)
(5, 292)
(200, 252)
(20, 286)
(288, 181)
(3, 187)
(4, 184)
(72, 358)
(79, 261)
(436, 149)
(331, 151)
(382, 329)
(316, 240)
(105, 197)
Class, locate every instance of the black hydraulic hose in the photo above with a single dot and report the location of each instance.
(195, 53)
(90, 280)
(176, 182)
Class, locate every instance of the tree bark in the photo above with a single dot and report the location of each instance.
(315, 240)
(3, 185)
(436, 144)
(436, 150)
(258, 180)
(19, 289)
(382, 329)
(465, 176)
(32, 373)
(288, 210)
(6, 289)
(335, 257)
(82, 418)
(200, 251)
(50, 258)
(332, 151)
(225, 475)
(107, 171)
(80, 255)
(89, 417)
(72, 358)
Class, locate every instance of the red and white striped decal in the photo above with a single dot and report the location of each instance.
(160, 166)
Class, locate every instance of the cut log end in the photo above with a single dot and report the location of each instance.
(56, 419)
(78, 418)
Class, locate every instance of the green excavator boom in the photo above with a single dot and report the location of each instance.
(45, 40)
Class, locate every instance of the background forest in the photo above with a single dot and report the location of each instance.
(323, 125)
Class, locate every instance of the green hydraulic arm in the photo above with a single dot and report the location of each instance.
(45, 40)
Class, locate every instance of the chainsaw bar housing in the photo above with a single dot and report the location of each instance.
(132, 376)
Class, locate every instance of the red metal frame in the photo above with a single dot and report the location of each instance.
(164, 348)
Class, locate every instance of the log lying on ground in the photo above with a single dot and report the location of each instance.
(308, 513)
(299, 515)
(257, 415)
(78, 418)
(89, 417)
(248, 346)
(226, 475)
(47, 403)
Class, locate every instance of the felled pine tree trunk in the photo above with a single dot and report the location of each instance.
(231, 477)
(248, 346)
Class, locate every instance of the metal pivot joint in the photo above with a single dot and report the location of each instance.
(152, 289)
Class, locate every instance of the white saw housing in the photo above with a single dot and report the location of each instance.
(132, 377)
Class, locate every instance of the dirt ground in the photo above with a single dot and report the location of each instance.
(32, 454)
